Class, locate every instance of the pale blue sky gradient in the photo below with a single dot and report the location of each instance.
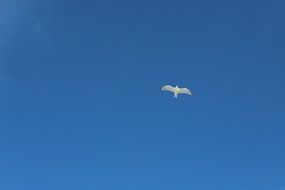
(80, 106)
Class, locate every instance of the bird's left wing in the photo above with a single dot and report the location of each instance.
(167, 88)
(185, 91)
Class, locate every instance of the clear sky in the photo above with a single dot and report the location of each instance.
(80, 106)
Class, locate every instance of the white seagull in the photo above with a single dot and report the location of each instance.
(176, 90)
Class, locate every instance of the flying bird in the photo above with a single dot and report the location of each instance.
(176, 90)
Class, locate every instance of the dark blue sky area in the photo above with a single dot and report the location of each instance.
(80, 106)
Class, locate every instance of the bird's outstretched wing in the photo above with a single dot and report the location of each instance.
(185, 91)
(167, 88)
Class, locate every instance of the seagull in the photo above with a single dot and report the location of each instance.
(176, 90)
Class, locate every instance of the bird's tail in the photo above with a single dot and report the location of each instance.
(175, 95)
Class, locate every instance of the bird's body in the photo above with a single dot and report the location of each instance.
(176, 90)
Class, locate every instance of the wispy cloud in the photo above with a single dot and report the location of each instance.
(24, 18)
(22, 22)
(8, 18)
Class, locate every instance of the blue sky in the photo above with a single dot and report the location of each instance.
(80, 106)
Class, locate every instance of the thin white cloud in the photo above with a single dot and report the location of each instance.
(22, 21)
(18, 18)
(8, 17)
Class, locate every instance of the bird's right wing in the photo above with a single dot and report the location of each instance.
(185, 91)
(167, 88)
